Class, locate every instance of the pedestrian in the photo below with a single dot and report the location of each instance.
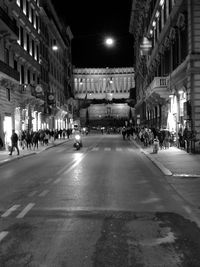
(14, 141)
(124, 133)
(35, 140)
(155, 145)
(1, 143)
(68, 133)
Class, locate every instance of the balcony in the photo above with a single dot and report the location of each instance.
(159, 85)
(8, 26)
(6, 69)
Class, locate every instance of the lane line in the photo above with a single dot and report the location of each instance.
(9, 211)
(57, 181)
(187, 209)
(32, 193)
(25, 210)
(107, 149)
(3, 235)
(48, 181)
(44, 193)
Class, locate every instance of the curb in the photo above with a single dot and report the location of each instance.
(164, 170)
(8, 160)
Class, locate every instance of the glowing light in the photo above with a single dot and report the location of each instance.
(109, 41)
(162, 2)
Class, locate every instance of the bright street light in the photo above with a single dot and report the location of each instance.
(109, 41)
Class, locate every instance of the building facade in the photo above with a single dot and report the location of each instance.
(59, 91)
(26, 67)
(103, 94)
(167, 64)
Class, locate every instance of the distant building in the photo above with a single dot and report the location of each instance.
(105, 92)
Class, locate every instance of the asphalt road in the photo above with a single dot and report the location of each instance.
(105, 205)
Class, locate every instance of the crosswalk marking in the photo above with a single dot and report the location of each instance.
(25, 210)
(118, 149)
(32, 193)
(48, 181)
(9, 211)
(44, 193)
(95, 148)
(57, 181)
(3, 235)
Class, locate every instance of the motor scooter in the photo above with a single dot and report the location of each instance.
(77, 141)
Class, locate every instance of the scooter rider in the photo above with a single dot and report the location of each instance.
(77, 133)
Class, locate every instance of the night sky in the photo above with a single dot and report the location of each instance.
(90, 21)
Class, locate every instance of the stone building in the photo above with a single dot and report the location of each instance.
(167, 63)
(103, 94)
(30, 70)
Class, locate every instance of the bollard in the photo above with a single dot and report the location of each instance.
(155, 145)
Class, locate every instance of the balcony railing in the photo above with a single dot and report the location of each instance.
(9, 71)
(159, 85)
(8, 23)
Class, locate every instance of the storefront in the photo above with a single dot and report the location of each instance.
(7, 130)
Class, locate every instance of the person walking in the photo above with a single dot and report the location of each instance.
(14, 141)
(1, 143)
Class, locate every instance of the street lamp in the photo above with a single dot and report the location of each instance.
(109, 41)
(54, 46)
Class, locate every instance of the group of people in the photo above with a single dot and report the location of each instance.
(148, 136)
(31, 139)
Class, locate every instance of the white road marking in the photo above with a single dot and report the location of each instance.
(107, 149)
(48, 181)
(25, 210)
(95, 149)
(177, 198)
(186, 208)
(3, 235)
(9, 211)
(32, 194)
(57, 181)
(168, 188)
(118, 149)
(44, 193)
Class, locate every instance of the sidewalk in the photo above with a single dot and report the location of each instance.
(182, 171)
(173, 161)
(5, 157)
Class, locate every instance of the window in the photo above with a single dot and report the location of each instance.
(33, 49)
(28, 43)
(37, 53)
(6, 55)
(15, 64)
(27, 8)
(21, 4)
(22, 74)
(21, 36)
(8, 94)
(28, 77)
(36, 22)
(32, 15)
